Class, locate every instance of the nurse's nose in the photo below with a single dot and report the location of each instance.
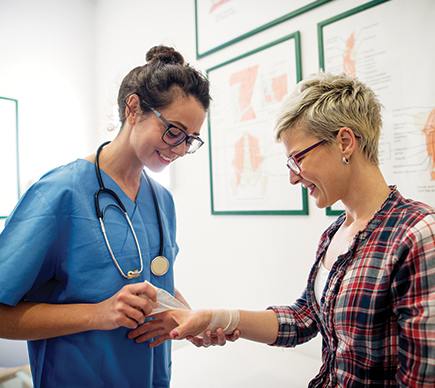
(180, 149)
(293, 177)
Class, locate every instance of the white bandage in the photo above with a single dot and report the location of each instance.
(227, 320)
(165, 301)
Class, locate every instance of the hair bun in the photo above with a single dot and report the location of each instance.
(164, 54)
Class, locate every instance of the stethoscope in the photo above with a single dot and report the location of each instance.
(160, 264)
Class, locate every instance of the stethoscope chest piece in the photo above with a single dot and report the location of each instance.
(159, 266)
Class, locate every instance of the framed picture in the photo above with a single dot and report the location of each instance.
(220, 23)
(9, 172)
(247, 167)
(394, 56)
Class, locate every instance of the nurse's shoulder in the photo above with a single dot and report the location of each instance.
(62, 184)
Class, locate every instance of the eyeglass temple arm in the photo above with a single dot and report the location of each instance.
(309, 149)
(314, 146)
(160, 117)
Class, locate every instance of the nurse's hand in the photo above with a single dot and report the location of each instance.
(218, 339)
(126, 308)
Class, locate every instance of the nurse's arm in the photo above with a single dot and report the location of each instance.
(35, 321)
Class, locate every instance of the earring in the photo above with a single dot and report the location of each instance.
(345, 161)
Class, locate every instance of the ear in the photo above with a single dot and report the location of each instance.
(132, 110)
(347, 141)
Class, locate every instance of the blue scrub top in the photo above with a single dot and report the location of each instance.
(52, 251)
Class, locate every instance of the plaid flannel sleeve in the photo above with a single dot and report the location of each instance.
(296, 325)
(413, 291)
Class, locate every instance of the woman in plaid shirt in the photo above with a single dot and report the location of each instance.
(371, 290)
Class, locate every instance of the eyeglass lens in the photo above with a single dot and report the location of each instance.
(292, 164)
(174, 136)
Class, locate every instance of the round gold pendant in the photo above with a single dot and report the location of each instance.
(159, 266)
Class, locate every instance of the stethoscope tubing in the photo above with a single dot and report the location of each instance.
(100, 215)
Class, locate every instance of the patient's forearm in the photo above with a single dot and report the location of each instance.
(259, 326)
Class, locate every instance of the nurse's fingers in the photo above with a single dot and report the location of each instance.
(206, 339)
(145, 290)
(233, 337)
(142, 296)
(202, 341)
(221, 339)
(151, 329)
(159, 340)
(126, 308)
(218, 339)
(146, 331)
(128, 301)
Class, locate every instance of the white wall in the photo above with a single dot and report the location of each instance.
(64, 61)
(47, 63)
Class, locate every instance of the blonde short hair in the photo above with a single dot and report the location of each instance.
(323, 103)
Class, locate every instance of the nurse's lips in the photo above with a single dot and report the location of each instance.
(165, 158)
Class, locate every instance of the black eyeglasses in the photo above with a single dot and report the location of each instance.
(174, 136)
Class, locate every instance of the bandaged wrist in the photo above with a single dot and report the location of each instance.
(227, 320)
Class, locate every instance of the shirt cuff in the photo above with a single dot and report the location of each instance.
(286, 331)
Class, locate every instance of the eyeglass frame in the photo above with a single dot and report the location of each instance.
(187, 138)
(294, 158)
(292, 161)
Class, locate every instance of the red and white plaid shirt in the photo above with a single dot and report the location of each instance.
(377, 313)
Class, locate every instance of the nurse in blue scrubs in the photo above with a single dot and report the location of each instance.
(72, 291)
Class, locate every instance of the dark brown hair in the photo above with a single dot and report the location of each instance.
(161, 80)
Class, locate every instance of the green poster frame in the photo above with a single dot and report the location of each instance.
(303, 209)
(9, 144)
(267, 24)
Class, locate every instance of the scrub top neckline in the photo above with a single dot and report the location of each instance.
(130, 202)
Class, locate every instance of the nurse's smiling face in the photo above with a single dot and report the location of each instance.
(186, 113)
(319, 167)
